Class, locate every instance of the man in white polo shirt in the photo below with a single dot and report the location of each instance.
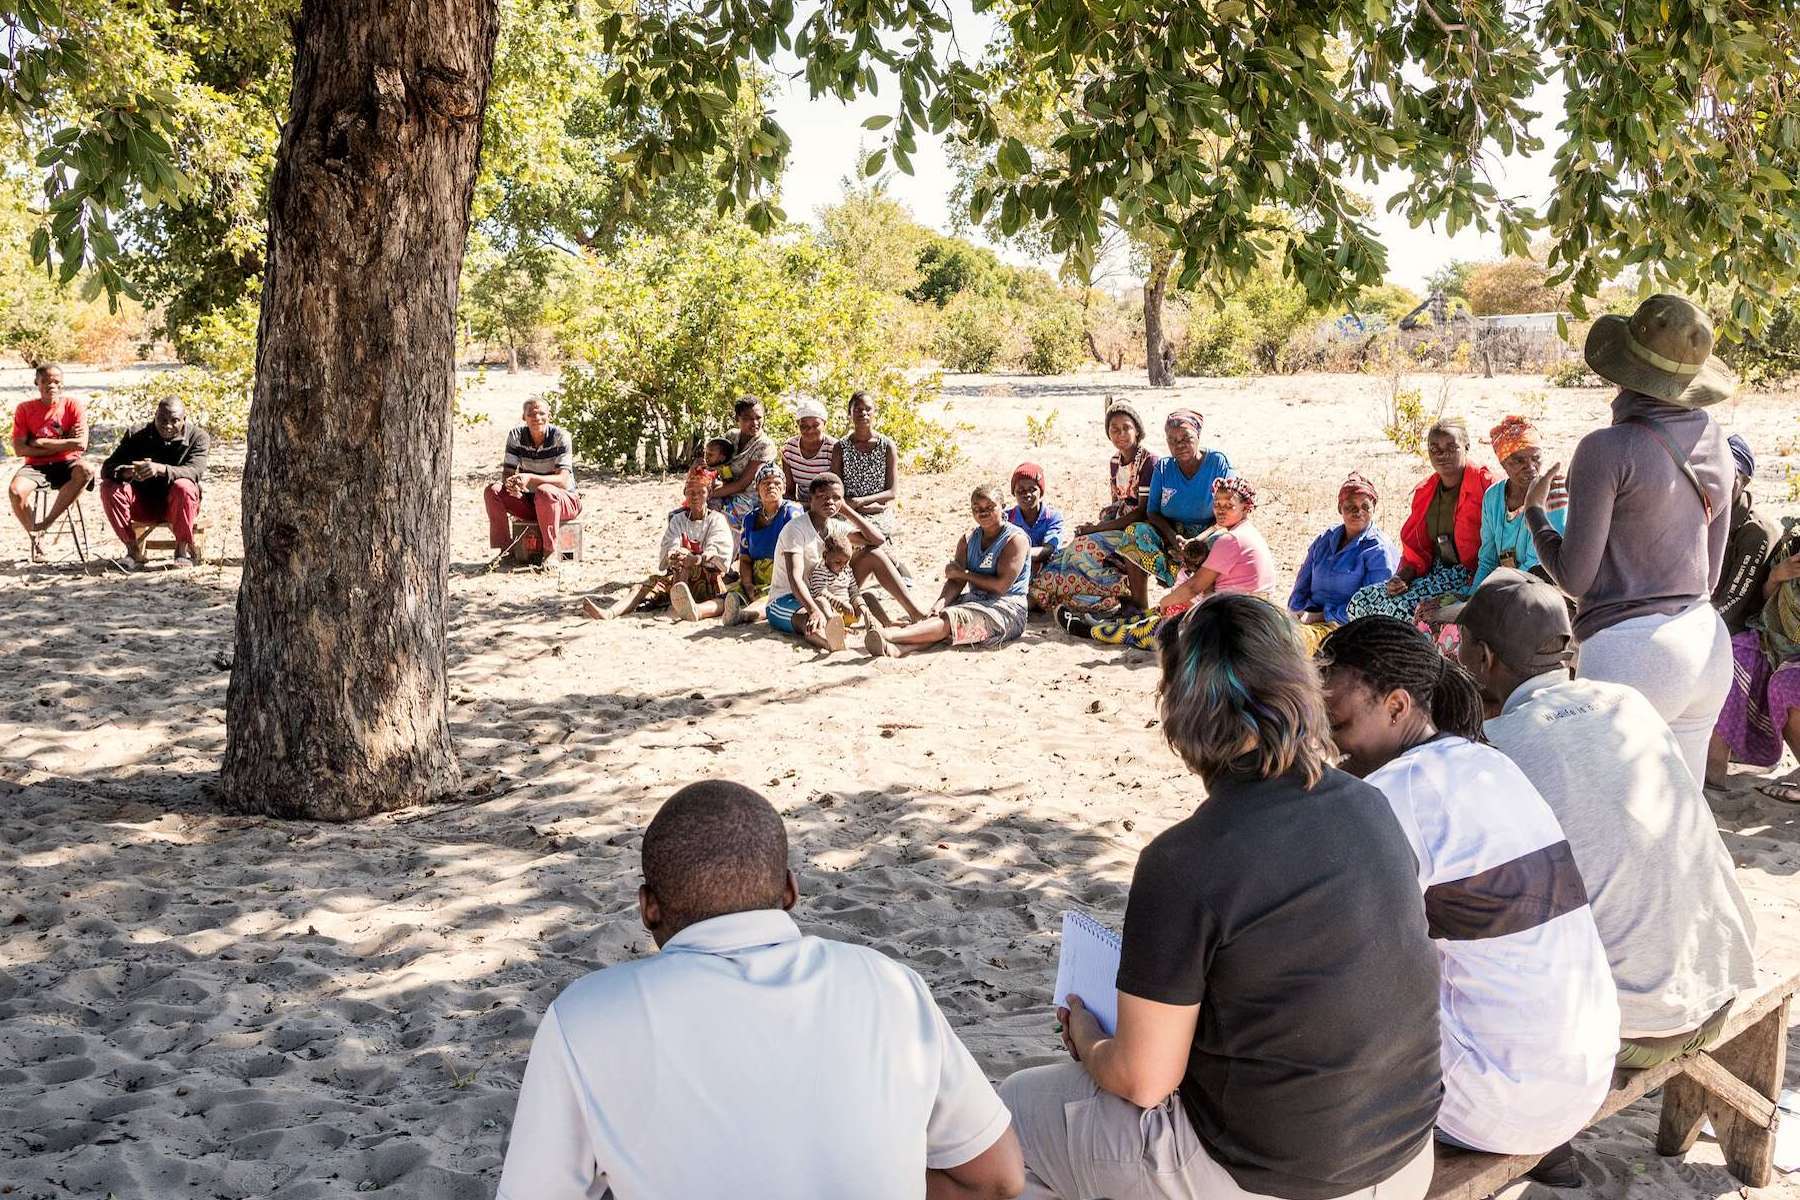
(746, 1059)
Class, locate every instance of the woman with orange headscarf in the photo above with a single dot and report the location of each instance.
(1505, 537)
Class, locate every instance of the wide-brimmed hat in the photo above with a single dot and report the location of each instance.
(1664, 349)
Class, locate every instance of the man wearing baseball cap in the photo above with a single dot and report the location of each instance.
(1676, 929)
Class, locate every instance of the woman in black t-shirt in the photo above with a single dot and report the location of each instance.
(1277, 990)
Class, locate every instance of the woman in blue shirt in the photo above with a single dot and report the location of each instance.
(756, 551)
(1099, 572)
(1505, 538)
(1341, 561)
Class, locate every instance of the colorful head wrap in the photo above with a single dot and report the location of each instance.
(1030, 471)
(702, 473)
(1238, 486)
(1740, 454)
(767, 471)
(1114, 407)
(1186, 417)
(1357, 485)
(1513, 434)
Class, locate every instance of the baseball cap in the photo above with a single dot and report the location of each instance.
(1520, 618)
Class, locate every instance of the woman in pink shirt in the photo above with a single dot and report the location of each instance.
(1237, 560)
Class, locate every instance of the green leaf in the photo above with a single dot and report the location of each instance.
(878, 122)
(873, 164)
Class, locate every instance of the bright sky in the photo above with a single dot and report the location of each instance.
(830, 144)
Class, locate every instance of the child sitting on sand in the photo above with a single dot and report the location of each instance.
(833, 582)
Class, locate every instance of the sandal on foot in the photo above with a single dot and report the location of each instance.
(1785, 790)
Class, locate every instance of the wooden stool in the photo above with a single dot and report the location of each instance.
(143, 537)
(74, 519)
(526, 542)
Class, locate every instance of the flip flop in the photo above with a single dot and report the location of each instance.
(1785, 790)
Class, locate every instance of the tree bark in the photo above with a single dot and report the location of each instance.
(337, 702)
(1156, 286)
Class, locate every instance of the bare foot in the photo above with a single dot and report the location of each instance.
(681, 599)
(37, 547)
(734, 608)
(593, 610)
(879, 645)
(834, 632)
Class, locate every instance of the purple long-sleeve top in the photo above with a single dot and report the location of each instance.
(1637, 540)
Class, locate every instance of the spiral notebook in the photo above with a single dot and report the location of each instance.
(1089, 967)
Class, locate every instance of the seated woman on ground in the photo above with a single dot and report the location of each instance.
(1043, 525)
(690, 564)
(756, 547)
(1236, 561)
(792, 608)
(750, 449)
(869, 464)
(1441, 539)
(1343, 560)
(983, 600)
(1506, 539)
(1529, 1012)
(807, 454)
(1277, 990)
(1762, 712)
(1104, 571)
(1127, 473)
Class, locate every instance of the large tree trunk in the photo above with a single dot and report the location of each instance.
(1156, 285)
(337, 704)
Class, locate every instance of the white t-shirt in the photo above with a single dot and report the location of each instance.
(1529, 1018)
(799, 534)
(1661, 883)
(746, 1060)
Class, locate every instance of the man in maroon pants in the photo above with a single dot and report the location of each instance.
(537, 481)
(153, 478)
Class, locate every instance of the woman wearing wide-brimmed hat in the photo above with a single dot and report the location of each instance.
(1649, 511)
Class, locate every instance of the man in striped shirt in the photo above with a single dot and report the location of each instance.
(537, 481)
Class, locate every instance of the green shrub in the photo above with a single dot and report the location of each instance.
(973, 334)
(1040, 430)
(1054, 342)
(670, 334)
(1218, 343)
(215, 388)
(1572, 373)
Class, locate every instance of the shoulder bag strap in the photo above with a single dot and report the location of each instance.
(1679, 459)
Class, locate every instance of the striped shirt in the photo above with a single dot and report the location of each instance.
(802, 468)
(552, 458)
(1529, 1018)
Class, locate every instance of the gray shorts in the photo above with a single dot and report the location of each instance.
(1082, 1143)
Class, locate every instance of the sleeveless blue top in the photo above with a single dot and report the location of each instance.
(986, 560)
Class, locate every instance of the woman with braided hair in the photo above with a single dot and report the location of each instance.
(1529, 1017)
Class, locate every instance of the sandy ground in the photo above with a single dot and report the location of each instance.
(194, 1004)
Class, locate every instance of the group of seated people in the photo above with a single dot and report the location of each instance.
(152, 477)
(1649, 533)
(1422, 901)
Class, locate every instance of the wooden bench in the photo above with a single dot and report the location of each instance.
(1735, 1082)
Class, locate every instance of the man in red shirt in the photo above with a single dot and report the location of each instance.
(50, 434)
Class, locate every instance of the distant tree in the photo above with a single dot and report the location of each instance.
(1513, 285)
(876, 236)
(1452, 278)
(950, 266)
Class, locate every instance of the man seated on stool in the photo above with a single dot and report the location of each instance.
(746, 1059)
(50, 434)
(153, 478)
(537, 481)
